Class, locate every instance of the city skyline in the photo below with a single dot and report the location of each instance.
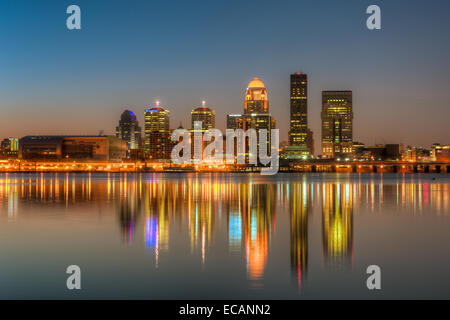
(255, 94)
(56, 81)
(284, 133)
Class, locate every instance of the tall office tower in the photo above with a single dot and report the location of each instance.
(337, 124)
(256, 111)
(256, 100)
(207, 117)
(157, 133)
(129, 130)
(299, 110)
(300, 137)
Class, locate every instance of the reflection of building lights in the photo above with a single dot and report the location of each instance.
(151, 232)
(235, 230)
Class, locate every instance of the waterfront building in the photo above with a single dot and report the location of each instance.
(337, 124)
(298, 129)
(68, 148)
(9, 148)
(440, 152)
(157, 133)
(128, 130)
(256, 113)
(207, 117)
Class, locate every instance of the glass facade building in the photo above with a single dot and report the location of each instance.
(128, 130)
(157, 134)
(337, 124)
(298, 129)
(207, 117)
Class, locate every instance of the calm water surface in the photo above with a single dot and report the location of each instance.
(224, 236)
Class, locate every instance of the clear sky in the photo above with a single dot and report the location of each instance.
(131, 53)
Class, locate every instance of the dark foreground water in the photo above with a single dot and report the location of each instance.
(224, 236)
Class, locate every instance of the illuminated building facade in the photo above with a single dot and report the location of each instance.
(300, 137)
(234, 121)
(310, 141)
(256, 100)
(337, 124)
(96, 148)
(440, 152)
(158, 145)
(256, 113)
(260, 121)
(207, 117)
(9, 148)
(128, 130)
(299, 109)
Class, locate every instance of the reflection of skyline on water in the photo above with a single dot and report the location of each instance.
(337, 224)
(300, 199)
(240, 212)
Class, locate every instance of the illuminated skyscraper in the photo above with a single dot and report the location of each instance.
(129, 130)
(299, 110)
(157, 133)
(300, 137)
(207, 117)
(337, 124)
(256, 114)
(256, 100)
(157, 119)
(256, 111)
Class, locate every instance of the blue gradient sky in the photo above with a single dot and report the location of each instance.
(131, 53)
